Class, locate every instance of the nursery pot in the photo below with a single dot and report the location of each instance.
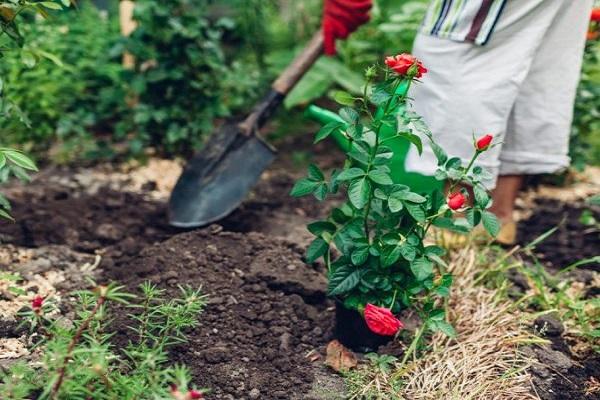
(352, 331)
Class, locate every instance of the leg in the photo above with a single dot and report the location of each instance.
(504, 196)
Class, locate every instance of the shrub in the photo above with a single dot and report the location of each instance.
(80, 361)
(70, 85)
(382, 257)
(180, 79)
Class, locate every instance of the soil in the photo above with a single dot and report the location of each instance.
(267, 315)
(573, 241)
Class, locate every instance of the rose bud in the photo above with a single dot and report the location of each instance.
(381, 321)
(194, 394)
(36, 303)
(484, 142)
(402, 63)
(456, 200)
(595, 16)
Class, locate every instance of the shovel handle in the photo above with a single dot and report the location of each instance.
(283, 85)
(303, 61)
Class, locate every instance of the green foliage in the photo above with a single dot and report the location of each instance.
(81, 361)
(585, 133)
(379, 232)
(75, 87)
(179, 81)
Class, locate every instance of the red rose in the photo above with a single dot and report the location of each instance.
(484, 142)
(595, 15)
(456, 200)
(37, 303)
(402, 63)
(381, 321)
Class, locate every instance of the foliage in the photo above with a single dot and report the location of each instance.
(81, 361)
(380, 231)
(180, 80)
(585, 133)
(73, 90)
(13, 162)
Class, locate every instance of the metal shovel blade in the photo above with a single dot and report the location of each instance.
(218, 178)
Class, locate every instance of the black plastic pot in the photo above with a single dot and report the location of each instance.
(352, 331)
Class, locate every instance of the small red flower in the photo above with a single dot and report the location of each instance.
(381, 321)
(37, 303)
(456, 200)
(484, 142)
(402, 63)
(595, 16)
(194, 394)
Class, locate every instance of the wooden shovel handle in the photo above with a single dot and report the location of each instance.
(303, 61)
(282, 86)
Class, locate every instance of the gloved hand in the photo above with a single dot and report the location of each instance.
(341, 18)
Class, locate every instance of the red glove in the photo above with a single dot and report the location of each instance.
(341, 18)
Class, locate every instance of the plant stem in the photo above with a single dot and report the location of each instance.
(413, 345)
(85, 324)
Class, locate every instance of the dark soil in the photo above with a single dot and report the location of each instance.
(572, 242)
(267, 310)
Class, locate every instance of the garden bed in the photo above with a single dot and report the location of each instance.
(264, 331)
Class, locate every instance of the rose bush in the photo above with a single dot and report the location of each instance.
(374, 243)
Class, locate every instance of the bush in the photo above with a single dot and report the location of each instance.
(181, 81)
(70, 85)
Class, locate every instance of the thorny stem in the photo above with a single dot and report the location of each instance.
(74, 341)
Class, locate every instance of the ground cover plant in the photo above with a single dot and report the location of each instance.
(81, 362)
(381, 263)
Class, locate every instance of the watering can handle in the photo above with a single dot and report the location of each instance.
(283, 85)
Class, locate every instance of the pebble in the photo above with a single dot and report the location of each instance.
(254, 393)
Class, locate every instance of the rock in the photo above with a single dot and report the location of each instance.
(548, 325)
(254, 393)
(284, 341)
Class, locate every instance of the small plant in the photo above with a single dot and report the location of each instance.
(383, 264)
(80, 360)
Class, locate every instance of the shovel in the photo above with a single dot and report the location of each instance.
(217, 179)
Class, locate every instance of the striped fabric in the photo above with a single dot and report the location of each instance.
(462, 20)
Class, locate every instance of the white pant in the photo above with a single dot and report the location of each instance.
(519, 87)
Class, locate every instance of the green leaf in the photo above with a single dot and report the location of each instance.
(349, 115)
(6, 215)
(315, 173)
(443, 327)
(490, 223)
(416, 211)
(343, 98)
(359, 255)
(395, 204)
(410, 196)
(303, 187)
(318, 227)
(351, 173)
(379, 94)
(359, 192)
(343, 279)
(414, 139)
(50, 5)
(2, 160)
(440, 154)
(473, 216)
(316, 249)
(321, 191)
(390, 255)
(20, 159)
(421, 268)
(408, 252)
(482, 198)
(327, 130)
(380, 177)
(359, 153)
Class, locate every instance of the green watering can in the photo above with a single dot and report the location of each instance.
(417, 182)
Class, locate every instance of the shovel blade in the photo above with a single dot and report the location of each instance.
(218, 179)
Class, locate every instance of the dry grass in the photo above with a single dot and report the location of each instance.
(484, 361)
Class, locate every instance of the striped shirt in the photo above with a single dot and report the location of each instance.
(462, 20)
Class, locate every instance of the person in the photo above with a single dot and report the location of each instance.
(508, 68)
